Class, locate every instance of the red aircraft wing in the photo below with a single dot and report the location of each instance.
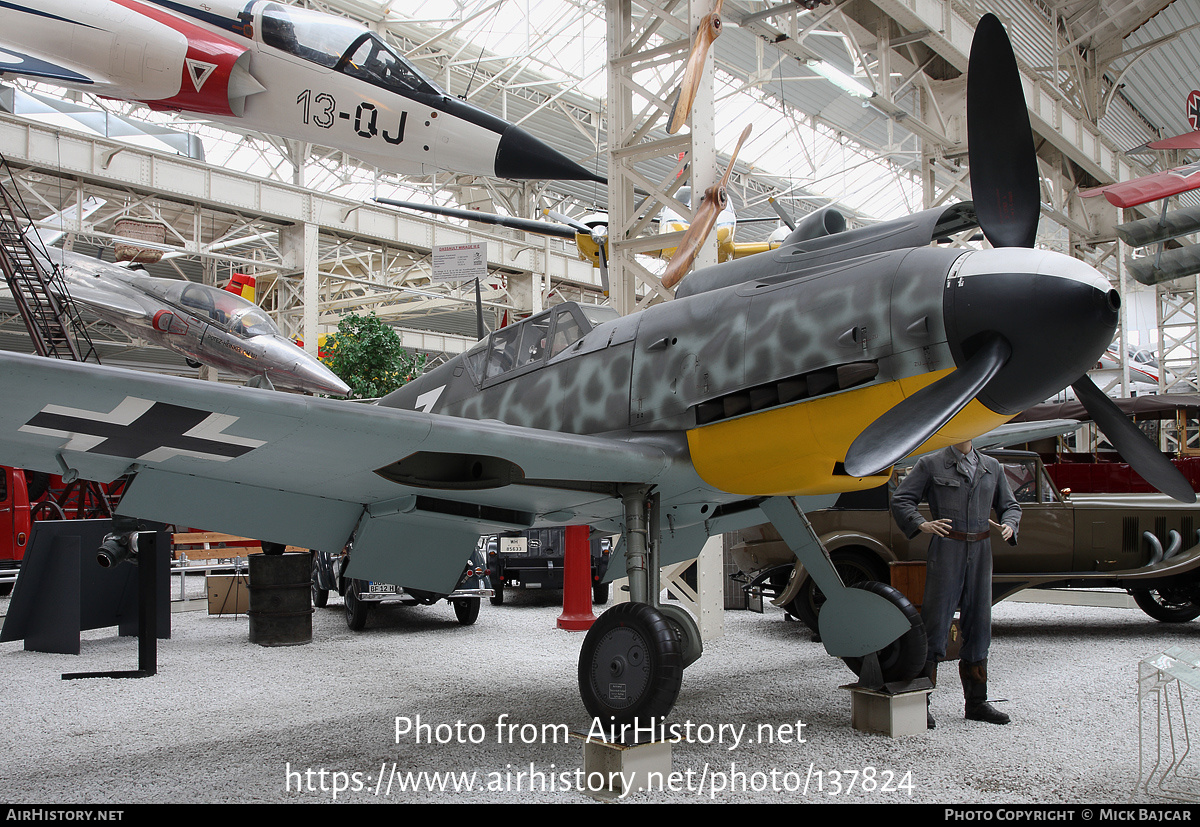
(1149, 187)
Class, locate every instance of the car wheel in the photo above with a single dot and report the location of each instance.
(320, 597)
(630, 665)
(356, 608)
(1166, 605)
(599, 593)
(497, 597)
(854, 565)
(904, 658)
(466, 609)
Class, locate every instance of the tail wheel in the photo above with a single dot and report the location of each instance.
(904, 658)
(631, 665)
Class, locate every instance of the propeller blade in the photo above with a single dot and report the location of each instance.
(783, 216)
(1004, 174)
(526, 224)
(1133, 446)
(904, 428)
(577, 226)
(707, 213)
(709, 31)
(604, 265)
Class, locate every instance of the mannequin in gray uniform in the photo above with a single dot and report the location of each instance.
(963, 487)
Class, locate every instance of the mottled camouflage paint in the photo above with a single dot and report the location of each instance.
(646, 372)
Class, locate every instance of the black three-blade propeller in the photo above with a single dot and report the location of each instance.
(1005, 190)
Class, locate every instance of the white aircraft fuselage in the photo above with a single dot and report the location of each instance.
(270, 67)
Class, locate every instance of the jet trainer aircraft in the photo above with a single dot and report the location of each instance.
(275, 68)
(768, 385)
(204, 324)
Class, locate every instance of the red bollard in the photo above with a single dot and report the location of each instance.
(577, 581)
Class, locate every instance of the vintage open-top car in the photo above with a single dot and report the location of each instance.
(1146, 544)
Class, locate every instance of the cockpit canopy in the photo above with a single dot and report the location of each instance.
(341, 45)
(536, 340)
(227, 310)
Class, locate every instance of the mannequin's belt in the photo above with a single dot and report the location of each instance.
(967, 537)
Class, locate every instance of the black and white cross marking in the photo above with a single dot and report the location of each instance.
(145, 430)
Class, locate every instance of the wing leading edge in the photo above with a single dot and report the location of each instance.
(309, 471)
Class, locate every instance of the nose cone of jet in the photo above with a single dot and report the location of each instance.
(1057, 313)
(522, 156)
(291, 367)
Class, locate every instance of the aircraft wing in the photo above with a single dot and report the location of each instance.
(105, 300)
(1149, 187)
(20, 63)
(417, 489)
(749, 248)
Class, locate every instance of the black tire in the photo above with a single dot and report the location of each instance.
(1166, 605)
(854, 566)
(497, 597)
(904, 658)
(273, 549)
(599, 593)
(356, 609)
(6, 589)
(466, 609)
(634, 643)
(320, 597)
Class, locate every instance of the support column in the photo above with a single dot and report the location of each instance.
(642, 158)
(298, 244)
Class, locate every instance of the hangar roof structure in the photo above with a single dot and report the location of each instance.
(1102, 78)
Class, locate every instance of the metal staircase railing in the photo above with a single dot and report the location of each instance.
(38, 288)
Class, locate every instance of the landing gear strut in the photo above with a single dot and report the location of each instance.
(632, 660)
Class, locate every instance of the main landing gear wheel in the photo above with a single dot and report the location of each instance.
(904, 658)
(630, 666)
(853, 565)
(1166, 605)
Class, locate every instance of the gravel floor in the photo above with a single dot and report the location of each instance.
(226, 720)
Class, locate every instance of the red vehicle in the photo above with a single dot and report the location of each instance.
(27, 496)
(16, 522)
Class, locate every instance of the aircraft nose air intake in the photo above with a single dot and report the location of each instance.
(1056, 313)
(522, 156)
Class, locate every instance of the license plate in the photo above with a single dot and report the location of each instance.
(381, 588)
(514, 545)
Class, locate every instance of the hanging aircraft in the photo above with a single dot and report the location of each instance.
(590, 234)
(276, 68)
(205, 324)
(764, 388)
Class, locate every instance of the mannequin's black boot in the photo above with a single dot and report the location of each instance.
(974, 681)
(930, 671)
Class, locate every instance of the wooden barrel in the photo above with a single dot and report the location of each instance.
(280, 599)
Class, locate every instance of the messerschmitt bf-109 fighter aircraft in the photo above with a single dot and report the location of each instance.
(275, 68)
(767, 385)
